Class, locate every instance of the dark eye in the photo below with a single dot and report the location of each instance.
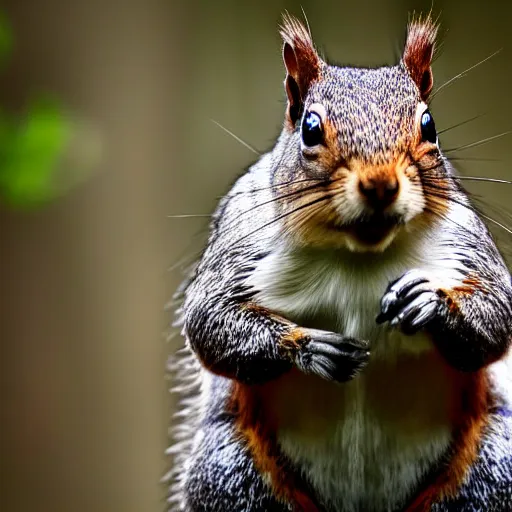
(312, 133)
(428, 127)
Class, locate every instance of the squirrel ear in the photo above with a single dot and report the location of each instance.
(418, 53)
(302, 64)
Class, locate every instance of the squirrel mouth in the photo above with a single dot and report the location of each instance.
(373, 230)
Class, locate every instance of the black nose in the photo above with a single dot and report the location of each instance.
(379, 193)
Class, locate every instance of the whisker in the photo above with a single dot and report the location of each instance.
(307, 214)
(188, 215)
(477, 143)
(468, 206)
(279, 185)
(481, 178)
(462, 123)
(450, 219)
(444, 217)
(294, 193)
(186, 260)
(494, 221)
(498, 210)
(459, 177)
(463, 73)
(428, 185)
(229, 132)
(283, 196)
(439, 163)
(473, 159)
(282, 216)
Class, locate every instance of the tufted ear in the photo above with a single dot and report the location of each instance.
(302, 64)
(418, 53)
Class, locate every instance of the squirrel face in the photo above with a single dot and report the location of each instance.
(368, 141)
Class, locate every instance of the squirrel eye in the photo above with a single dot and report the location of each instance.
(428, 128)
(312, 133)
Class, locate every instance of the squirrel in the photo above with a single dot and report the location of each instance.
(348, 325)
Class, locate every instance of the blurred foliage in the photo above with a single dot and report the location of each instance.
(30, 150)
(32, 145)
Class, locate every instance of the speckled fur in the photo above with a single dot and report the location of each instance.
(378, 101)
(274, 268)
(488, 487)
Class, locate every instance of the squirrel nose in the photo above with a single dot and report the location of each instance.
(379, 193)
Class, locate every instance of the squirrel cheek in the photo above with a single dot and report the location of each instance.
(411, 201)
(347, 201)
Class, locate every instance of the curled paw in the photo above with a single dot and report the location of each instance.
(331, 356)
(410, 302)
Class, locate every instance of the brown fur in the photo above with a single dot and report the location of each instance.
(469, 286)
(303, 65)
(320, 224)
(418, 53)
(470, 414)
(328, 155)
(301, 405)
(258, 428)
(261, 310)
(306, 64)
(437, 187)
(380, 177)
(407, 395)
(293, 340)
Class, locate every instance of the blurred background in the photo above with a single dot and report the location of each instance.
(106, 130)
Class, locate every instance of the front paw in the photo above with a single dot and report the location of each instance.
(410, 303)
(331, 356)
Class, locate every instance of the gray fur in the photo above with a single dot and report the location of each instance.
(373, 111)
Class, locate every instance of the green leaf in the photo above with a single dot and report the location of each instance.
(30, 152)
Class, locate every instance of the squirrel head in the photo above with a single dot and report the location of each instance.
(368, 133)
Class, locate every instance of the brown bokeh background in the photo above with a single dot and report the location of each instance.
(84, 280)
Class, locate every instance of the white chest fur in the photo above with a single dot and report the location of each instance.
(362, 463)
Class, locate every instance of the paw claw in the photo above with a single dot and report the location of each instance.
(381, 318)
(332, 356)
(409, 302)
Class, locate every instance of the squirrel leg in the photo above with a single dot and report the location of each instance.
(488, 484)
(222, 475)
(471, 324)
(251, 344)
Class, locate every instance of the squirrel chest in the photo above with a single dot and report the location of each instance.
(367, 442)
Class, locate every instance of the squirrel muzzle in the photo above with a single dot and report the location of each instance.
(379, 190)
